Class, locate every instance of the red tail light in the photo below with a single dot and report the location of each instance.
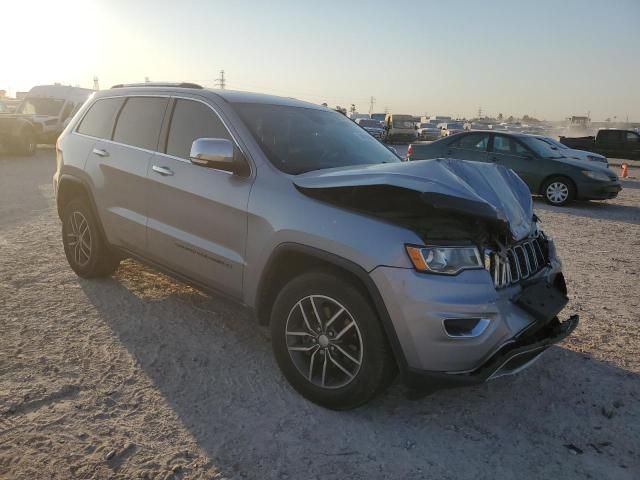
(409, 152)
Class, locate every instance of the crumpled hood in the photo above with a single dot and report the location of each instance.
(486, 191)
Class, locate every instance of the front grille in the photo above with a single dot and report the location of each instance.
(517, 262)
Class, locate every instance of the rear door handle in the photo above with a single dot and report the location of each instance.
(164, 171)
(100, 152)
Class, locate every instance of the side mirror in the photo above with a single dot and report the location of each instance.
(220, 154)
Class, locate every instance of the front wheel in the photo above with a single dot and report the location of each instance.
(558, 191)
(328, 341)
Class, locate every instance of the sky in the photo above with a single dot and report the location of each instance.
(547, 59)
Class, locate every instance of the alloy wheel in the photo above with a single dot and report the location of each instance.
(324, 341)
(79, 238)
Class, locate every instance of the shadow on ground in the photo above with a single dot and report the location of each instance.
(601, 210)
(567, 416)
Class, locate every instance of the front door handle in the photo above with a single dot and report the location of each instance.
(100, 152)
(164, 171)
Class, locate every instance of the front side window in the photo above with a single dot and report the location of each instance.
(501, 144)
(98, 121)
(299, 139)
(139, 122)
(609, 136)
(473, 141)
(633, 137)
(192, 120)
(41, 106)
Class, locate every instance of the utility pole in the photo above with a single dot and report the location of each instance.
(372, 101)
(479, 112)
(96, 84)
(146, 80)
(220, 82)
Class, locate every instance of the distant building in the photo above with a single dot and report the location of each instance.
(3, 94)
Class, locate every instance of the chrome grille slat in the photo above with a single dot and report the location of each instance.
(517, 263)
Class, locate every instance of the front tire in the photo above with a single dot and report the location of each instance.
(87, 252)
(328, 341)
(558, 191)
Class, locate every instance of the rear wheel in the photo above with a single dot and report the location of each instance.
(329, 342)
(558, 191)
(26, 144)
(87, 252)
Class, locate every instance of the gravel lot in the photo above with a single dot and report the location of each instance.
(138, 376)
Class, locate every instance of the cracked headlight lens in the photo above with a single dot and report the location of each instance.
(444, 260)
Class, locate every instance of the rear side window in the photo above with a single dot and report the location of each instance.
(609, 136)
(98, 121)
(633, 137)
(192, 120)
(140, 121)
(473, 141)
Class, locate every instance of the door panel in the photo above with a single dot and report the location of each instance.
(510, 153)
(197, 223)
(119, 173)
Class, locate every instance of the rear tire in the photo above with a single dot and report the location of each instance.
(558, 191)
(25, 145)
(87, 251)
(320, 359)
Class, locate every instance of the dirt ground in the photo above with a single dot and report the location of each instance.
(138, 376)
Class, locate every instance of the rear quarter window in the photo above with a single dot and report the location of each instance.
(140, 121)
(99, 119)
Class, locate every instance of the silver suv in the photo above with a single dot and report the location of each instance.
(362, 265)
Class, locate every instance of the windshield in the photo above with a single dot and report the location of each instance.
(297, 139)
(541, 148)
(552, 142)
(403, 123)
(428, 125)
(41, 106)
(369, 123)
(455, 126)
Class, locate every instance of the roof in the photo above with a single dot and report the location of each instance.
(231, 96)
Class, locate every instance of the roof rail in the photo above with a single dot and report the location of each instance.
(160, 84)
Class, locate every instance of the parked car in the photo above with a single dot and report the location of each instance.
(399, 128)
(450, 128)
(361, 264)
(428, 131)
(40, 117)
(545, 170)
(611, 142)
(572, 153)
(373, 127)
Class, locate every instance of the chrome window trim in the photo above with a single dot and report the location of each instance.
(169, 96)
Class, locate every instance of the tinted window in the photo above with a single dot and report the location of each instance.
(140, 121)
(608, 136)
(298, 139)
(474, 141)
(632, 137)
(502, 144)
(190, 121)
(98, 122)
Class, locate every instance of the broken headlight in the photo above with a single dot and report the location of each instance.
(444, 260)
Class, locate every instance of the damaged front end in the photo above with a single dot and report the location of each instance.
(469, 216)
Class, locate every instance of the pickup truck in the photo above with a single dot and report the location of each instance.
(40, 117)
(609, 142)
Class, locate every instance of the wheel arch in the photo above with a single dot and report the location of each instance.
(545, 180)
(70, 187)
(291, 259)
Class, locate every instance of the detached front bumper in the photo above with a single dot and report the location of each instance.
(518, 323)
